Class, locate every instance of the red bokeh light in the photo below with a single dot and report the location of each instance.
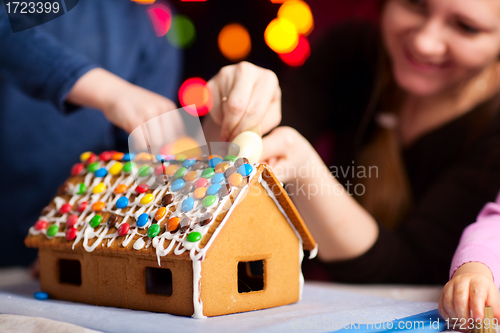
(161, 17)
(196, 91)
(299, 54)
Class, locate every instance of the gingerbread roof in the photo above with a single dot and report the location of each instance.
(155, 205)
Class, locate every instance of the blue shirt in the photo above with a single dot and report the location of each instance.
(41, 137)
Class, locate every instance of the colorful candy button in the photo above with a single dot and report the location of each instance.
(122, 202)
(231, 158)
(214, 156)
(99, 188)
(117, 156)
(77, 169)
(128, 157)
(173, 224)
(202, 182)
(215, 161)
(98, 206)
(153, 230)
(177, 185)
(160, 213)
(187, 204)
(82, 206)
(245, 170)
(40, 225)
(93, 158)
(161, 180)
(105, 156)
(85, 156)
(95, 221)
(188, 163)
(225, 190)
(160, 170)
(72, 220)
(144, 171)
(92, 167)
(208, 173)
(187, 188)
(190, 176)
(206, 219)
(161, 157)
(199, 165)
(71, 233)
(41, 296)
(167, 199)
(116, 168)
(53, 230)
(123, 229)
(147, 199)
(81, 188)
(213, 189)
(229, 171)
(102, 172)
(235, 179)
(120, 189)
(240, 161)
(112, 220)
(66, 208)
(185, 224)
(217, 178)
(180, 172)
(142, 188)
(171, 170)
(200, 193)
(209, 201)
(221, 167)
(127, 167)
(142, 220)
(193, 237)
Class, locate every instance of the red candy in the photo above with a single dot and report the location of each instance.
(142, 188)
(123, 229)
(82, 206)
(71, 233)
(77, 169)
(72, 219)
(160, 169)
(91, 159)
(66, 208)
(105, 156)
(40, 225)
(202, 182)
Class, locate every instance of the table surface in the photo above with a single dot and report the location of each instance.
(19, 277)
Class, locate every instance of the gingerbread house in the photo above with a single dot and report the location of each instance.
(182, 236)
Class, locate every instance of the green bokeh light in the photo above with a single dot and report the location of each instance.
(182, 32)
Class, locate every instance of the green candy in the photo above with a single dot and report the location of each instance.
(52, 231)
(144, 171)
(153, 230)
(194, 237)
(95, 221)
(231, 158)
(127, 167)
(208, 201)
(92, 167)
(208, 173)
(181, 172)
(81, 188)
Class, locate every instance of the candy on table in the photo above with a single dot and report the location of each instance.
(193, 237)
(98, 206)
(71, 233)
(116, 168)
(99, 188)
(177, 185)
(40, 225)
(123, 229)
(52, 230)
(142, 220)
(187, 204)
(66, 208)
(153, 230)
(112, 220)
(77, 169)
(173, 224)
(147, 199)
(102, 172)
(142, 188)
(72, 220)
(82, 206)
(81, 189)
(201, 182)
(160, 213)
(120, 189)
(95, 221)
(41, 296)
(122, 202)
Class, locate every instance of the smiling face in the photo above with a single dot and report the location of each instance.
(436, 45)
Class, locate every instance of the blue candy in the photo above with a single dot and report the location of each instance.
(188, 163)
(177, 184)
(245, 170)
(161, 157)
(122, 202)
(128, 157)
(102, 172)
(217, 178)
(214, 161)
(213, 189)
(41, 295)
(187, 204)
(142, 220)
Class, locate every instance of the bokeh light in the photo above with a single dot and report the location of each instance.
(161, 17)
(196, 91)
(144, 2)
(299, 54)
(234, 42)
(281, 36)
(299, 13)
(182, 33)
(185, 145)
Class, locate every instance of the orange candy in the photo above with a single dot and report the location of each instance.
(214, 156)
(235, 179)
(99, 205)
(199, 193)
(190, 176)
(221, 167)
(117, 156)
(160, 213)
(173, 224)
(120, 188)
(171, 169)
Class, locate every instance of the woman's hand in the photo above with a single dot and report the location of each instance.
(253, 99)
(471, 288)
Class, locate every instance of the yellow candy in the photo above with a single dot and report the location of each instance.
(199, 193)
(85, 156)
(147, 199)
(99, 188)
(116, 168)
(191, 175)
(171, 169)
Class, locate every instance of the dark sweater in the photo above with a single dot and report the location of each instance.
(453, 170)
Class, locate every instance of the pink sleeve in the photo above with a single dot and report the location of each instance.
(481, 242)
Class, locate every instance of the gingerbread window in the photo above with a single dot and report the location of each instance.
(250, 276)
(70, 272)
(159, 281)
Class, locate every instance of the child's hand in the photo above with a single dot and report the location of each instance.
(471, 288)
